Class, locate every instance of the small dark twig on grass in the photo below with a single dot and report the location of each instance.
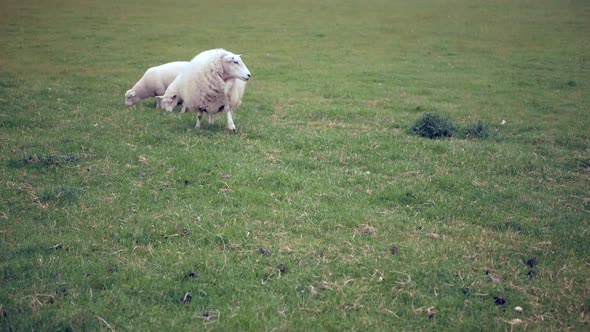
(531, 262)
(186, 298)
(105, 323)
(499, 300)
(394, 249)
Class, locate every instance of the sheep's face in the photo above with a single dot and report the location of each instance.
(234, 67)
(168, 102)
(131, 98)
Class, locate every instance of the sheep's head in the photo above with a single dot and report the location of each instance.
(168, 102)
(131, 98)
(234, 67)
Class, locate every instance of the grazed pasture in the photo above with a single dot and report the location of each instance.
(324, 211)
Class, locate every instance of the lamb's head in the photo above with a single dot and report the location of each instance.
(234, 67)
(131, 98)
(168, 102)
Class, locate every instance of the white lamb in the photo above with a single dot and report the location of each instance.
(154, 82)
(171, 97)
(235, 91)
(214, 81)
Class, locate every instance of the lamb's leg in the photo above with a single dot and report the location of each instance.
(160, 91)
(230, 122)
(199, 118)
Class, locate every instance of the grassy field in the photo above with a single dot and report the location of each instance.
(324, 211)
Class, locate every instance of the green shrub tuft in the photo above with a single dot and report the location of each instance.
(60, 195)
(434, 126)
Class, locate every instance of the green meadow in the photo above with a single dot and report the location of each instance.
(325, 212)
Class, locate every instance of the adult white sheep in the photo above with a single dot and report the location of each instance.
(154, 82)
(214, 81)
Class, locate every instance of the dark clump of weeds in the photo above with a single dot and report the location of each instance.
(434, 126)
(408, 198)
(60, 195)
(477, 130)
(49, 161)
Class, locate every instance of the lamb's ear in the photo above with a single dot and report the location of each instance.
(132, 93)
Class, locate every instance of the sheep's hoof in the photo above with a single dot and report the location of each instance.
(233, 131)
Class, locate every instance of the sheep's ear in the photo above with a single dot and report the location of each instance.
(160, 97)
(132, 93)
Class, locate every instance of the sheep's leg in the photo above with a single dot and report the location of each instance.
(183, 108)
(230, 122)
(211, 118)
(158, 105)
